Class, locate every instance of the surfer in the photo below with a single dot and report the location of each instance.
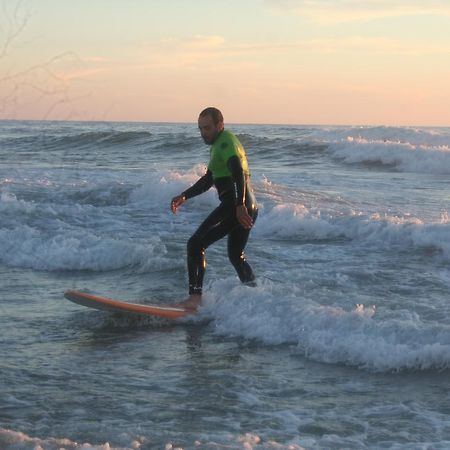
(234, 217)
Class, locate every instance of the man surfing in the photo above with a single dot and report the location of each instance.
(234, 217)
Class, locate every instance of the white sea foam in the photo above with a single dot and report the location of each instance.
(15, 440)
(89, 225)
(406, 149)
(415, 136)
(328, 334)
(67, 235)
(404, 156)
(164, 185)
(27, 247)
(295, 221)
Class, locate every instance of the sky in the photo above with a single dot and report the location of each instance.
(333, 62)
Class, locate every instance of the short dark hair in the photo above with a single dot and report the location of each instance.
(215, 114)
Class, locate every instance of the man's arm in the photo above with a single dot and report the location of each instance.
(235, 167)
(237, 173)
(202, 185)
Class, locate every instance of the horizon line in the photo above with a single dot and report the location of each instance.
(164, 122)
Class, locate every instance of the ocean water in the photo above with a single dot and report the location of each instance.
(344, 343)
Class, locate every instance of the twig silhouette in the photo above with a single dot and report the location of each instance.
(49, 88)
(13, 27)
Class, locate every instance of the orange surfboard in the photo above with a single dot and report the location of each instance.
(108, 304)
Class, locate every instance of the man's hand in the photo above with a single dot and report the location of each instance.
(177, 202)
(243, 217)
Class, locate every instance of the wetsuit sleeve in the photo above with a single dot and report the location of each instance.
(235, 167)
(202, 185)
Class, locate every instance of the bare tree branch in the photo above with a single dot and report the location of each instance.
(14, 26)
(44, 86)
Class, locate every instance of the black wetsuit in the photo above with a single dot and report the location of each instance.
(233, 190)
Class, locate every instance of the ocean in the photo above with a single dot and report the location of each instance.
(343, 344)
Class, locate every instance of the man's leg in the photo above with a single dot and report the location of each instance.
(213, 228)
(237, 240)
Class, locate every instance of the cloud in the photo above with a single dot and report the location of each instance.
(96, 59)
(338, 11)
(201, 42)
(214, 51)
(190, 52)
(213, 54)
(79, 74)
(367, 44)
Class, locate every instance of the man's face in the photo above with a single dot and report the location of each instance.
(208, 129)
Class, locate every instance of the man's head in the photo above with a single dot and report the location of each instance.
(210, 124)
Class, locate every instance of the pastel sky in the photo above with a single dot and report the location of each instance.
(355, 62)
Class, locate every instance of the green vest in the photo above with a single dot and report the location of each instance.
(225, 146)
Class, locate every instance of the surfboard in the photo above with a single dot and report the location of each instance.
(109, 304)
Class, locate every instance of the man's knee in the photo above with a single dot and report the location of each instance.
(237, 258)
(242, 268)
(194, 246)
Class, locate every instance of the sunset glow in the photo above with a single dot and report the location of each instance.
(383, 62)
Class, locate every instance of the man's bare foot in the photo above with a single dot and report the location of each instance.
(192, 302)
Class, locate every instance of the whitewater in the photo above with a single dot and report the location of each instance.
(344, 343)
